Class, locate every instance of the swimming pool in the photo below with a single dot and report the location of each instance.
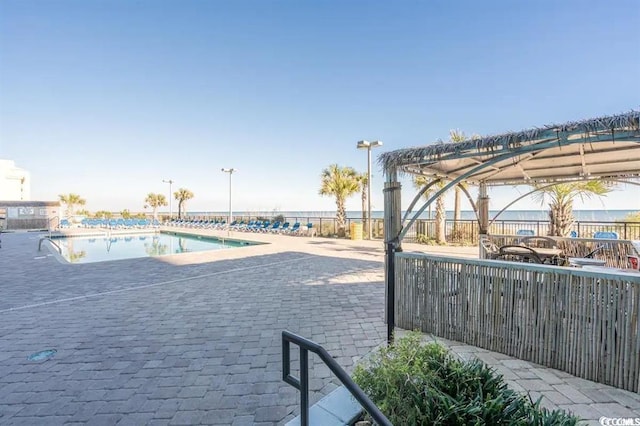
(88, 249)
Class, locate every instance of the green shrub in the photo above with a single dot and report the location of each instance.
(424, 239)
(415, 384)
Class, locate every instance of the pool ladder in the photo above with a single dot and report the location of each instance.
(51, 241)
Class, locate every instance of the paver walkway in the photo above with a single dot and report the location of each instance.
(146, 341)
(191, 338)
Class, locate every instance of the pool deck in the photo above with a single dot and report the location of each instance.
(194, 338)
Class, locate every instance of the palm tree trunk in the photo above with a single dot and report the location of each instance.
(179, 209)
(441, 213)
(341, 216)
(456, 212)
(560, 219)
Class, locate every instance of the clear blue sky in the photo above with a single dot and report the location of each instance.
(108, 98)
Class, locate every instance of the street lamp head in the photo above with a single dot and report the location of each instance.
(363, 144)
(229, 170)
(368, 145)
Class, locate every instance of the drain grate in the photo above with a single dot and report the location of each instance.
(42, 355)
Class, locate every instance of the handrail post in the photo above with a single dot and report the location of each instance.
(302, 384)
(304, 387)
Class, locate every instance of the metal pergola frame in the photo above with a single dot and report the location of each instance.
(605, 148)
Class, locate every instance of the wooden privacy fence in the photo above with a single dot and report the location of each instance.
(581, 322)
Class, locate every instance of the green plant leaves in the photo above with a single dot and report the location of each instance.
(423, 384)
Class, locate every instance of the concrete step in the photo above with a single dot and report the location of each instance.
(338, 408)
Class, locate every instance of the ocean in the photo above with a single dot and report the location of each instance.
(580, 215)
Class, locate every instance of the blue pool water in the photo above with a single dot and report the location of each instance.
(102, 248)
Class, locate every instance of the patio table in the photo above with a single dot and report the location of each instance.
(544, 254)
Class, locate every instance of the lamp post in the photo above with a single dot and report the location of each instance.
(368, 145)
(230, 171)
(170, 182)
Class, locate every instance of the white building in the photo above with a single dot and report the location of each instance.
(15, 183)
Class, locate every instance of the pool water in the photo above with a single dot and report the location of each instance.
(130, 246)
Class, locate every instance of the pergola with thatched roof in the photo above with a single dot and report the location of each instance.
(600, 148)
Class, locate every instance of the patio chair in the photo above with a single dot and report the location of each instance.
(491, 250)
(605, 235)
(605, 249)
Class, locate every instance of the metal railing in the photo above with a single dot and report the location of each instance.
(51, 241)
(464, 231)
(302, 383)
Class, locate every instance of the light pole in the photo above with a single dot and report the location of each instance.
(170, 182)
(368, 145)
(230, 171)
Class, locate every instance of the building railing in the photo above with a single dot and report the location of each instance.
(302, 383)
(583, 322)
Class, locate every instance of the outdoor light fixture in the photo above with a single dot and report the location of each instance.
(230, 171)
(170, 182)
(368, 145)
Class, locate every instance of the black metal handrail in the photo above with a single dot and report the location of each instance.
(302, 383)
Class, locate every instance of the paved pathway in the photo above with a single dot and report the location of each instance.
(195, 338)
(151, 342)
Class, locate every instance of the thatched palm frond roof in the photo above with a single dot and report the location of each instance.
(600, 147)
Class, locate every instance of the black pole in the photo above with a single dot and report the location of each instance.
(304, 386)
(391, 284)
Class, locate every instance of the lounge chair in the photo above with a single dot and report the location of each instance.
(261, 228)
(284, 228)
(274, 228)
(294, 230)
(310, 231)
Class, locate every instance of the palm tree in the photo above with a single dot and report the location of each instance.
(456, 136)
(363, 181)
(341, 182)
(71, 200)
(421, 181)
(154, 201)
(181, 196)
(561, 204)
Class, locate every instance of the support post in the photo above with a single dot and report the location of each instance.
(483, 209)
(392, 227)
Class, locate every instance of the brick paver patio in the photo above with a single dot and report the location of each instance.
(195, 338)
